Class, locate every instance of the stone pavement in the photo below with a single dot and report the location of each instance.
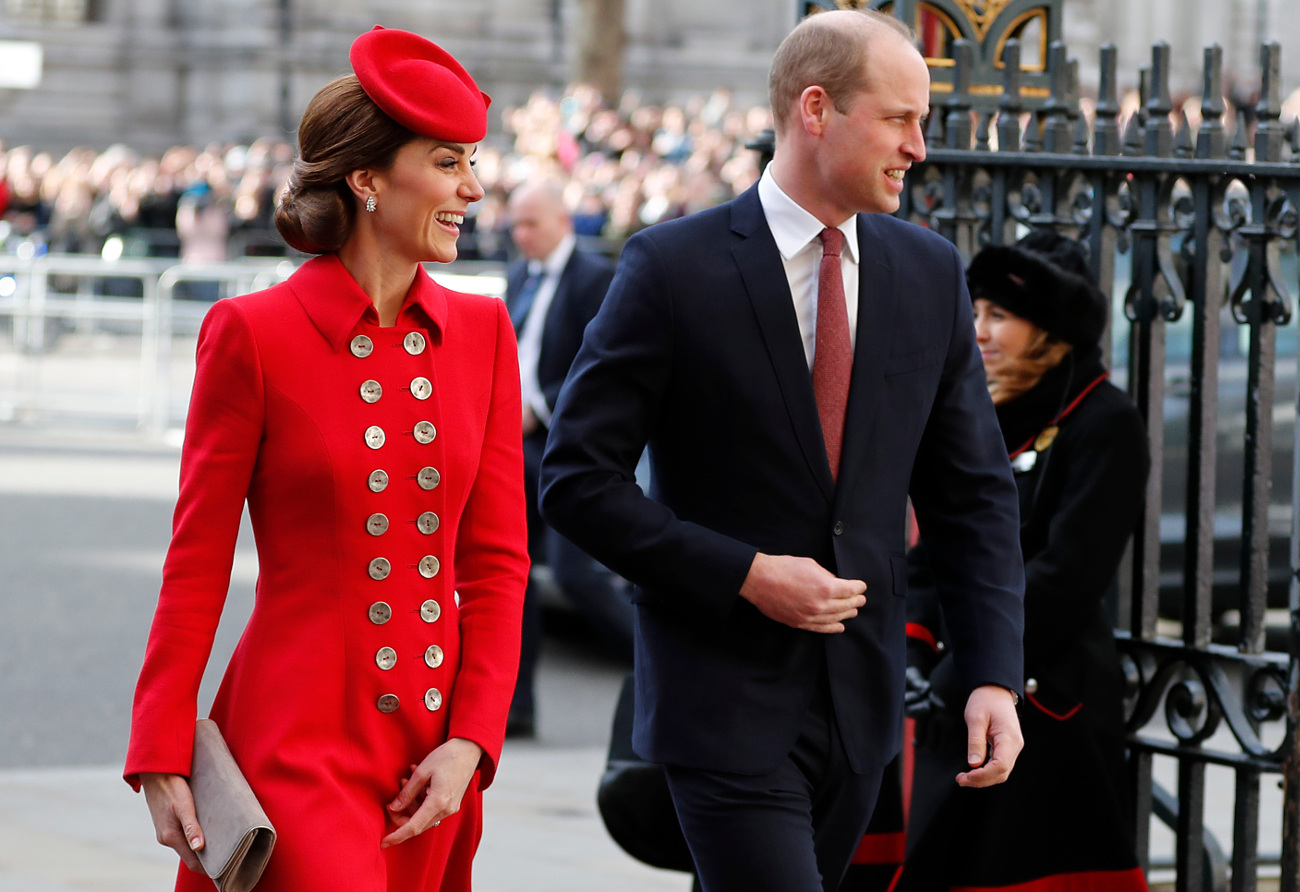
(83, 830)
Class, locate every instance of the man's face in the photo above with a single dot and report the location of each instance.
(866, 150)
(537, 224)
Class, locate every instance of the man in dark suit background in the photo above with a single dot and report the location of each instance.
(552, 292)
(798, 362)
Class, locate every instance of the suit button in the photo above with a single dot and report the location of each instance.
(374, 436)
(427, 523)
(387, 703)
(386, 658)
(433, 656)
(1031, 686)
(380, 568)
(424, 433)
(838, 529)
(421, 388)
(378, 481)
(429, 478)
(377, 524)
(433, 699)
(380, 613)
(455, 596)
(430, 611)
(429, 566)
(362, 346)
(414, 343)
(371, 391)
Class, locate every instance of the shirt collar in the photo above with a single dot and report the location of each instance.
(793, 228)
(336, 304)
(555, 262)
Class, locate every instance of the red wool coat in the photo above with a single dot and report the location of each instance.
(383, 473)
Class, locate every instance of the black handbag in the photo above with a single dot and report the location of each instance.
(633, 798)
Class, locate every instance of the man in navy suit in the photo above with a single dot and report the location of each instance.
(799, 363)
(553, 291)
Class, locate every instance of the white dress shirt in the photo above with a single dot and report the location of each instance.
(530, 336)
(796, 233)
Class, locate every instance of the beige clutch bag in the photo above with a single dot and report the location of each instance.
(238, 838)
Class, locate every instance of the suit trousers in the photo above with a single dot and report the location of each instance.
(793, 829)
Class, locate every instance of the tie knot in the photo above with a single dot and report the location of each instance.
(832, 242)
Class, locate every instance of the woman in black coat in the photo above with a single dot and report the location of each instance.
(1079, 452)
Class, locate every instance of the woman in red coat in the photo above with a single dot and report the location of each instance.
(371, 419)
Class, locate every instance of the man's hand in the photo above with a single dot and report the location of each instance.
(801, 593)
(993, 739)
(531, 421)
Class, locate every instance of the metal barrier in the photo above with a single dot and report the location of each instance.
(111, 342)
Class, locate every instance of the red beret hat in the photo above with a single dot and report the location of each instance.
(419, 85)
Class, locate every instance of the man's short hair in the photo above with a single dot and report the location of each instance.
(830, 56)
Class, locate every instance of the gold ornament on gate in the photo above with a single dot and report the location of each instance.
(982, 13)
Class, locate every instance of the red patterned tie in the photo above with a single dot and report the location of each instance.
(833, 356)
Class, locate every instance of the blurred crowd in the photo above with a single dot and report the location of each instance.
(626, 166)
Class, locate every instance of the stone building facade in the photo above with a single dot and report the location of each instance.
(154, 73)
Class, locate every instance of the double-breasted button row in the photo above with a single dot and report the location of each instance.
(428, 478)
(424, 433)
(361, 346)
(377, 524)
(380, 612)
(432, 701)
(386, 657)
(372, 391)
(381, 568)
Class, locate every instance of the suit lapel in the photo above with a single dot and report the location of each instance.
(760, 266)
(878, 297)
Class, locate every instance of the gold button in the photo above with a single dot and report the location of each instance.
(455, 596)
(375, 436)
(378, 481)
(362, 346)
(433, 699)
(377, 524)
(427, 523)
(425, 432)
(421, 388)
(429, 566)
(414, 343)
(386, 658)
(380, 613)
(387, 703)
(429, 478)
(433, 656)
(371, 391)
(380, 568)
(430, 611)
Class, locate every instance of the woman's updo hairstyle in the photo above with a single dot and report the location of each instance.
(342, 130)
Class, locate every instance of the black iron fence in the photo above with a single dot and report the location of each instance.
(1196, 225)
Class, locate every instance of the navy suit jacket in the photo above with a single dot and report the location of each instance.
(578, 294)
(696, 351)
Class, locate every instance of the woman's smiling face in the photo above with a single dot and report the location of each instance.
(421, 199)
(1002, 336)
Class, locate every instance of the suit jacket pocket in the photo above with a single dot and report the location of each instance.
(913, 360)
(898, 569)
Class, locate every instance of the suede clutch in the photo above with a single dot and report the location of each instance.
(238, 836)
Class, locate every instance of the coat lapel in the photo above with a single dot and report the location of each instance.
(763, 274)
(877, 305)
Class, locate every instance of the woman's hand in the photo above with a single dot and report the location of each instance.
(434, 789)
(171, 804)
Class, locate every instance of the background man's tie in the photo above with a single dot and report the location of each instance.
(833, 354)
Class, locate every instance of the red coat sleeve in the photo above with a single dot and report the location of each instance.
(492, 566)
(222, 434)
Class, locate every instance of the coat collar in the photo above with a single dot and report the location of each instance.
(337, 305)
(763, 274)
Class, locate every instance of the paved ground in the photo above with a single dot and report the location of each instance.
(84, 522)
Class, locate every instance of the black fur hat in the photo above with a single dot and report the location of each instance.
(1045, 279)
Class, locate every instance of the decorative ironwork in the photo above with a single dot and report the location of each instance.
(989, 26)
(1202, 220)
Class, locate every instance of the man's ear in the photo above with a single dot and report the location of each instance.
(815, 107)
